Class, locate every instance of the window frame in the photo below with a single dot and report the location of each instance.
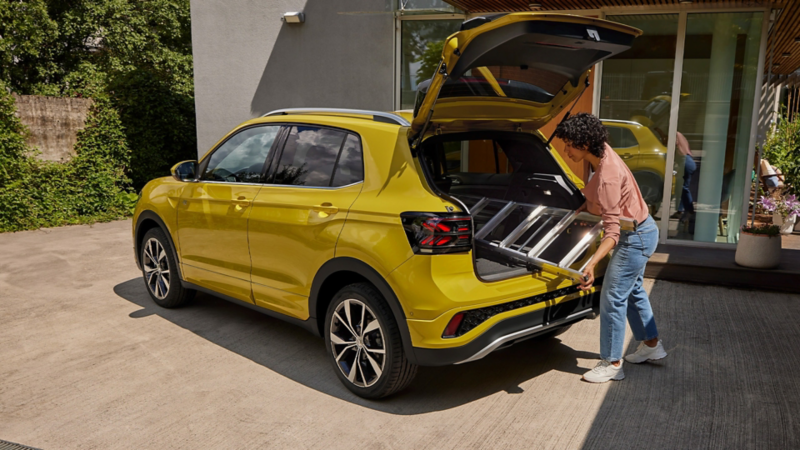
(270, 173)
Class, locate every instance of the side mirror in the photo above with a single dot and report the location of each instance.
(185, 171)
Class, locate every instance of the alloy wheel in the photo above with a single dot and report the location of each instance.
(156, 268)
(357, 343)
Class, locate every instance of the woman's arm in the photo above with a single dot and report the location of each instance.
(588, 273)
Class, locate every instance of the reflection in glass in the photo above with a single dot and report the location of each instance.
(425, 6)
(716, 107)
(241, 158)
(422, 42)
(635, 102)
(309, 156)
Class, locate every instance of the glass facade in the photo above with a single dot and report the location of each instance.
(720, 66)
(422, 43)
(635, 89)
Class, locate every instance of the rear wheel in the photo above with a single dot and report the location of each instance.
(364, 343)
(160, 271)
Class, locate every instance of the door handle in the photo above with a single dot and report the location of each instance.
(326, 207)
(627, 156)
(242, 200)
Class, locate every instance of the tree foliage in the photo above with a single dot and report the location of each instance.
(134, 58)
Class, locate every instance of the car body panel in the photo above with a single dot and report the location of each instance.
(203, 210)
(296, 221)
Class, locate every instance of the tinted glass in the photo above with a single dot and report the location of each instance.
(421, 44)
(309, 156)
(350, 168)
(241, 158)
(621, 137)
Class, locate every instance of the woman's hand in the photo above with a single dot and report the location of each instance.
(582, 208)
(588, 278)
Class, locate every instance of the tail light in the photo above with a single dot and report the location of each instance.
(434, 233)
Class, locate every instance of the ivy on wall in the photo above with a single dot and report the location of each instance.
(90, 187)
(134, 58)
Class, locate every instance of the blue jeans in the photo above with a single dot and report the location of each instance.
(622, 293)
(689, 167)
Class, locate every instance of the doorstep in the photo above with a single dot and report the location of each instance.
(716, 266)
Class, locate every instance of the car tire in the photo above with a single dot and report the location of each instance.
(364, 343)
(160, 271)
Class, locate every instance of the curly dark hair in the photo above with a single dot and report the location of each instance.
(584, 131)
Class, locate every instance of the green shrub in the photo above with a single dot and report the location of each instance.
(782, 149)
(91, 187)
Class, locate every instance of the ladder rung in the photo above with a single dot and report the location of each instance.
(551, 235)
(535, 233)
(582, 245)
(495, 221)
(523, 226)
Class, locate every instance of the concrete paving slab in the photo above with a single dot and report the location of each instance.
(88, 361)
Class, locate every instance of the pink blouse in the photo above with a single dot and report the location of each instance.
(613, 193)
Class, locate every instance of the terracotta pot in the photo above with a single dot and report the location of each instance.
(758, 251)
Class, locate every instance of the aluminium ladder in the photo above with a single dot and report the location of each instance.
(512, 250)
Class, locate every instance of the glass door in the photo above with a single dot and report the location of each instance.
(635, 102)
(718, 84)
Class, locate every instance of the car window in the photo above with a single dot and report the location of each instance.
(241, 158)
(309, 156)
(619, 137)
(350, 167)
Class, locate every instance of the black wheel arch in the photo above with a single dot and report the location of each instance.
(340, 272)
(148, 220)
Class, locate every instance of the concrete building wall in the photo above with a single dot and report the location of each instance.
(53, 123)
(248, 62)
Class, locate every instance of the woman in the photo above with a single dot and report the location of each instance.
(613, 193)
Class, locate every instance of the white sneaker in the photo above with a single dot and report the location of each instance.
(645, 353)
(604, 371)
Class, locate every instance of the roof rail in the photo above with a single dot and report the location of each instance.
(377, 116)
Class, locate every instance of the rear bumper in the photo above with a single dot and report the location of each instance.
(513, 330)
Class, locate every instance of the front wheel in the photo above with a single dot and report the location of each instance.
(160, 271)
(364, 343)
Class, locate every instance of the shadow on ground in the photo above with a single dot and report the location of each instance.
(300, 356)
(730, 380)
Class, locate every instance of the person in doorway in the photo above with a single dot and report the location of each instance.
(612, 193)
(686, 206)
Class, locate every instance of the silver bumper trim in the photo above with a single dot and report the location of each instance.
(520, 334)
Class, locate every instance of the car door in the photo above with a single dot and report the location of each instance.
(297, 216)
(624, 143)
(213, 212)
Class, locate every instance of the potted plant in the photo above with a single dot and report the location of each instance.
(759, 247)
(784, 209)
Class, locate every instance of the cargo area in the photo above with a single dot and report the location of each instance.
(521, 201)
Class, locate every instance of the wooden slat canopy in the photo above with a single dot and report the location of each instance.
(785, 33)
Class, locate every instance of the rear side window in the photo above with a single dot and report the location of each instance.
(619, 137)
(350, 167)
(319, 157)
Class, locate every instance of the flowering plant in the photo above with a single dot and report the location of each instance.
(787, 206)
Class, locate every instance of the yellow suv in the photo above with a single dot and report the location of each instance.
(402, 239)
(644, 153)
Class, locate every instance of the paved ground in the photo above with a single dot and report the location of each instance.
(88, 361)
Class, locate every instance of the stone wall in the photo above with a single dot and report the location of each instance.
(54, 123)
